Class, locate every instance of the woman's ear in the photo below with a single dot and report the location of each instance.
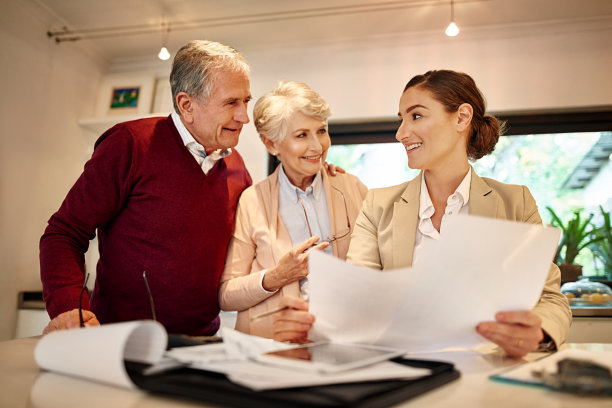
(185, 106)
(270, 145)
(464, 116)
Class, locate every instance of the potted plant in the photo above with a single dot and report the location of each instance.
(602, 247)
(577, 234)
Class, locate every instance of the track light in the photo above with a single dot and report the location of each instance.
(452, 29)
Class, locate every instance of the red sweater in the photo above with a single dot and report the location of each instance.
(154, 211)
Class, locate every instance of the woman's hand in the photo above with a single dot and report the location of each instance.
(70, 320)
(293, 323)
(292, 266)
(518, 333)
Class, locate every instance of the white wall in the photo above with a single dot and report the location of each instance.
(518, 68)
(45, 89)
(523, 67)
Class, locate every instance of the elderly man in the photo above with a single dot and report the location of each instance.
(161, 193)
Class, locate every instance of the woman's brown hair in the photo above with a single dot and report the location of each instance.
(452, 89)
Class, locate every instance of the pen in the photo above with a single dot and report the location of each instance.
(269, 312)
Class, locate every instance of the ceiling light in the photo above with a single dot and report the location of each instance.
(164, 55)
(452, 29)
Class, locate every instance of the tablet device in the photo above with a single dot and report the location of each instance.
(329, 357)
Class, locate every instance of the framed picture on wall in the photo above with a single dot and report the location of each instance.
(125, 94)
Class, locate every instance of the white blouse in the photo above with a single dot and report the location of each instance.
(457, 203)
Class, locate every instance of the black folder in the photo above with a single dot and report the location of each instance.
(209, 387)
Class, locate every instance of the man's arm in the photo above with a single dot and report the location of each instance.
(96, 197)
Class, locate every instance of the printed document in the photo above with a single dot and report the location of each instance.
(478, 267)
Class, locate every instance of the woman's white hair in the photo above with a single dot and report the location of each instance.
(273, 110)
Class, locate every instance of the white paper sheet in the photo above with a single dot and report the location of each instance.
(260, 377)
(235, 356)
(98, 353)
(478, 267)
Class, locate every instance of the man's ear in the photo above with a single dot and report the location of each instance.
(269, 145)
(186, 106)
(464, 116)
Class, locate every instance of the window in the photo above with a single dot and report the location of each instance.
(564, 158)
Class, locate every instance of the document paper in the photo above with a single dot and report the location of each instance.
(98, 353)
(236, 356)
(478, 267)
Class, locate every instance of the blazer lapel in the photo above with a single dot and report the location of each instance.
(268, 194)
(405, 217)
(483, 199)
(337, 216)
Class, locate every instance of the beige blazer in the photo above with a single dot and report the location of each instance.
(385, 230)
(260, 239)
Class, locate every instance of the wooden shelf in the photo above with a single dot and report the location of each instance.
(100, 125)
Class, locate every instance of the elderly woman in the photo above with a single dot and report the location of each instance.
(443, 125)
(296, 208)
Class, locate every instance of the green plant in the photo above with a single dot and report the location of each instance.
(575, 236)
(602, 248)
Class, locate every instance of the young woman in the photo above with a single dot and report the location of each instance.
(443, 125)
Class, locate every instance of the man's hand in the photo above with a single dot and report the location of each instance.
(333, 170)
(70, 320)
(294, 323)
(518, 333)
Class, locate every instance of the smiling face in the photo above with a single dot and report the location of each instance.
(303, 149)
(216, 123)
(433, 137)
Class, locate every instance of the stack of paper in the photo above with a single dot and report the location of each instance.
(98, 353)
(235, 358)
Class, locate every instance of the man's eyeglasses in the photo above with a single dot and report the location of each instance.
(144, 277)
(81, 322)
(336, 236)
(178, 340)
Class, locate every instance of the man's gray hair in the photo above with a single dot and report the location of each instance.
(273, 110)
(196, 65)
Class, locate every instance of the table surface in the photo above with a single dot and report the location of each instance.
(22, 384)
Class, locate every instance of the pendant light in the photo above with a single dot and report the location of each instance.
(452, 30)
(164, 54)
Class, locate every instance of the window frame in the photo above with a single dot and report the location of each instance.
(589, 119)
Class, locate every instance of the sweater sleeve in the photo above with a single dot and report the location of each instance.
(552, 307)
(95, 199)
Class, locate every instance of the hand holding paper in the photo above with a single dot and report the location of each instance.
(461, 280)
(517, 332)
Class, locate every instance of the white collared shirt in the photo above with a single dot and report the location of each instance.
(205, 161)
(457, 203)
